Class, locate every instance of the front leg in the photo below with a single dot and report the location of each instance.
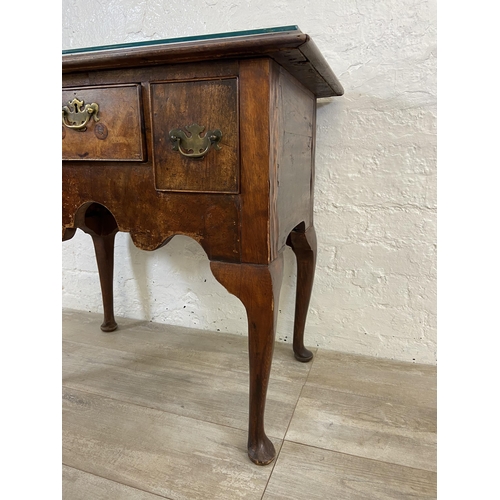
(258, 287)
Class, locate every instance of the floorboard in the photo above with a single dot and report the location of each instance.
(153, 411)
(317, 474)
(158, 452)
(79, 485)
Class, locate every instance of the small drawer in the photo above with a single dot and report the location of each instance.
(195, 135)
(102, 123)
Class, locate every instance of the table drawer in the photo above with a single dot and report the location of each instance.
(102, 123)
(195, 135)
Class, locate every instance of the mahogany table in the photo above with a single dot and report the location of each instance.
(211, 137)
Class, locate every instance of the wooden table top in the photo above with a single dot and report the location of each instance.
(287, 45)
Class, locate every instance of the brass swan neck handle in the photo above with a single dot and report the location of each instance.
(77, 114)
(199, 146)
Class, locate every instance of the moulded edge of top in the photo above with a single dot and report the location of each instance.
(293, 50)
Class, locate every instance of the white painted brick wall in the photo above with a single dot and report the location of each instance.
(375, 206)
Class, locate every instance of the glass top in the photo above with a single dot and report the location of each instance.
(230, 34)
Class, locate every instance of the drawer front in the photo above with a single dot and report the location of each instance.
(102, 123)
(195, 135)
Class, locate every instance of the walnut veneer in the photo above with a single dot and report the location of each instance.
(247, 197)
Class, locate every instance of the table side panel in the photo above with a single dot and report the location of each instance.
(293, 131)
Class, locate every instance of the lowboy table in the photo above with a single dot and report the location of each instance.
(211, 137)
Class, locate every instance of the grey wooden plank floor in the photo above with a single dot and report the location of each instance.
(152, 411)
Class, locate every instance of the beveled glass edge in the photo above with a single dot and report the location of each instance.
(145, 43)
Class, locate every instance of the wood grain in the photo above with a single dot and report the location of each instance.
(354, 433)
(120, 112)
(79, 485)
(153, 217)
(255, 160)
(104, 252)
(395, 382)
(258, 287)
(294, 118)
(365, 427)
(206, 351)
(156, 451)
(212, 104)
(294, 50)
(163, 73)
(304, 246)
(211, 394)
(239, 203)
(304, 472)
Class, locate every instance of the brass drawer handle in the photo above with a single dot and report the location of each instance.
(194, 142)
(76, 116)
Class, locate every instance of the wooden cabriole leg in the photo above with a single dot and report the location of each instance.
(104, 246)
(99, 222)
(304, 246)
(258, 287)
